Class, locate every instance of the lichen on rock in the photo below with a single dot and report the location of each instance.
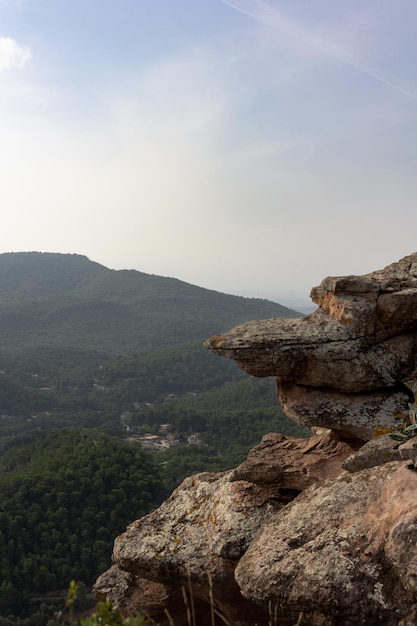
(339, 549)
(346, 366)
(319, 531)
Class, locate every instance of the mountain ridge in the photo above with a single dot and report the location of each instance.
(75, 266)
(70, 300)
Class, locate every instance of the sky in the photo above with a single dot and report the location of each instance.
(252, 147)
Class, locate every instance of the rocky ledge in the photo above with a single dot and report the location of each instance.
(319, 531)
(350, 365)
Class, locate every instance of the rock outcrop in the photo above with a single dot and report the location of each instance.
(246, 547)
(196, 538)
(350, 365)
(344, 552)
(295, 464)
(319, 531)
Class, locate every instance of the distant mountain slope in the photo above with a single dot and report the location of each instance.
(67, 300)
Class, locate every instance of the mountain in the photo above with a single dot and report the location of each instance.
(81, 344)
(95, 364)
(67, 300)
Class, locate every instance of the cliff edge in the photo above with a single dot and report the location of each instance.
(351, 364)
(319, 531)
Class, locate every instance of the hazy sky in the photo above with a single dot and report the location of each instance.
(247, 146)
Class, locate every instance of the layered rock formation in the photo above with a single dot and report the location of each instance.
(345, 552)
(320, 531)
(350, 365)
(287, 537)
(197, 537)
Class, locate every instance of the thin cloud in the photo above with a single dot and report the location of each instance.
(12, 54)
(262, 12)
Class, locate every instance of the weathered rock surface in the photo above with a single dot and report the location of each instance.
(199, 534)
(195, 538)
(128, 592)
(348, 365)
(325, 526)
(344, 551)
(159, 602)
(295, 464)
(380, 451)
(356, 415)
(373, 453)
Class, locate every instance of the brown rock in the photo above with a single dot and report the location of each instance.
(247, 544)
(292, 463)
(373, 453)
(196, 538)
(408, 450)
(382, 302)
(364, 415)
(380, 451)
(344, 551)
(131, 594)
(361, 343)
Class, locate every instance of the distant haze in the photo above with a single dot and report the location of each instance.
(242, 145)
(292, 299)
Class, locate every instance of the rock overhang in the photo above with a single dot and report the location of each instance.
(325, 525)
(362, 339)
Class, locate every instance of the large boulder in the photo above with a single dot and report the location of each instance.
(346, 366)
(344, 552)
(295, 464)
(247, 547)
(195, 539)
(318, 532)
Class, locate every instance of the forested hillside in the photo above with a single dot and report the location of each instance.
(69, 301)
(96, 365)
